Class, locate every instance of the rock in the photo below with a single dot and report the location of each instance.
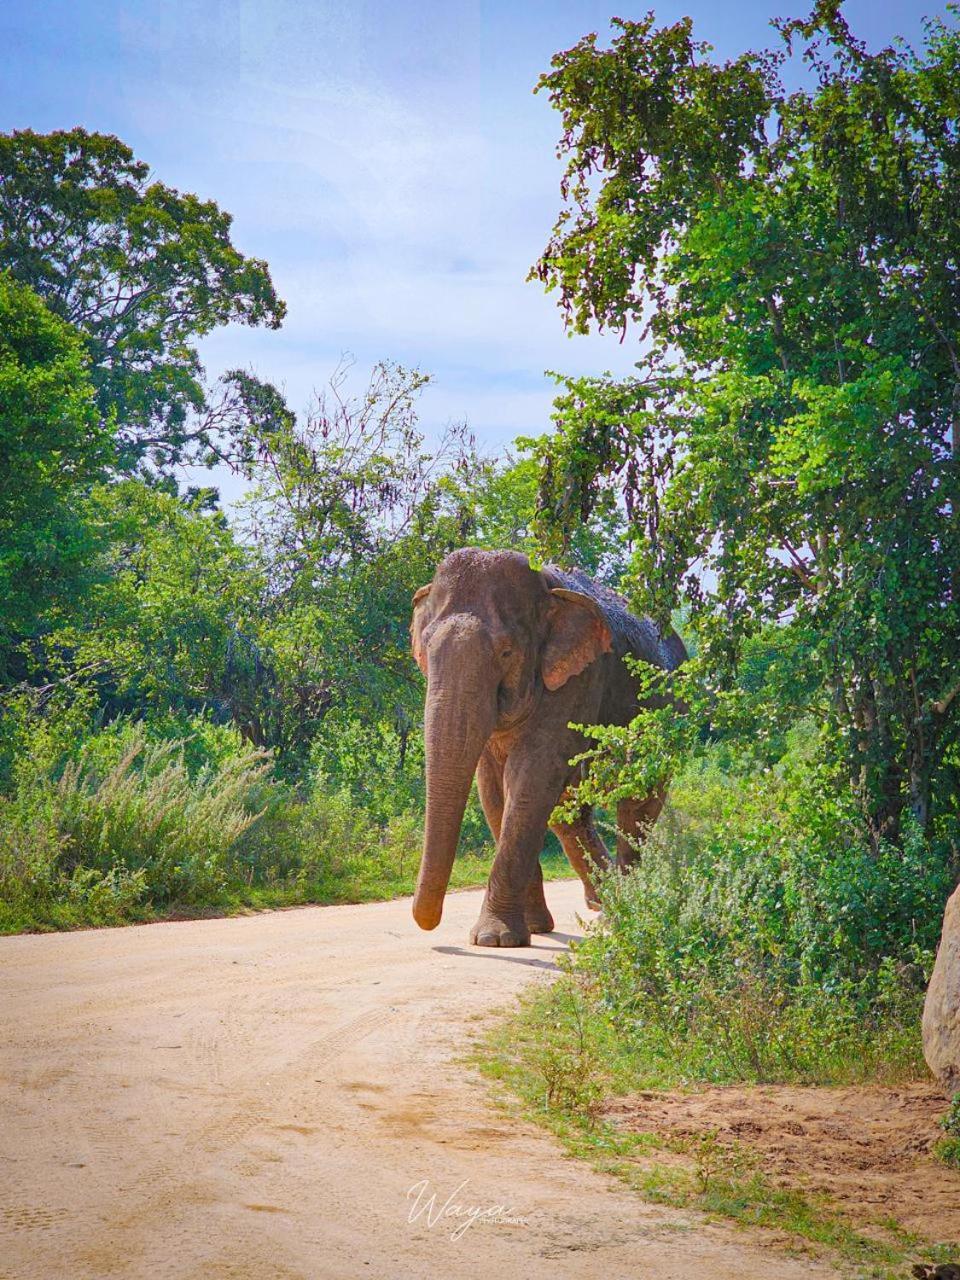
(941, 1009)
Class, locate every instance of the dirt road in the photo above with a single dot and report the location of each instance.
(256, 1097)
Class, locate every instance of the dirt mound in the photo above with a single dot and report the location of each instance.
(868, 1148)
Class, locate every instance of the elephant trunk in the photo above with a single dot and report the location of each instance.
(460, 716)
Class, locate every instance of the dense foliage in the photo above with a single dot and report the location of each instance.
(787, 460)
(141, 270)
(788, 450)
(53, 450)
(762, 937)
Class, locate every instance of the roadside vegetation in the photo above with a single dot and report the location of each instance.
(948, 1148)
(142, 820)
(751, 946)
(561, 1061)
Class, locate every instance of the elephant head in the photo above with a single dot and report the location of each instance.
(492, 637)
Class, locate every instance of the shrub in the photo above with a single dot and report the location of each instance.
(568, 1060)
(145, 811)
(101, 823)
(948, 1148)
(308, 839)
(203, 743)
(759, 938)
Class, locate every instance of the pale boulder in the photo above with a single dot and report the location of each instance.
(941, 1010)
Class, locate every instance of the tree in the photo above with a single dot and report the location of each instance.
(170, 617)
(347, 514)
(333, 490)
(503, 500)
(788, 451)
(52, 449)
(142, 270)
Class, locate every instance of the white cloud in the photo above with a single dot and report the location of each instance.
(396, 233)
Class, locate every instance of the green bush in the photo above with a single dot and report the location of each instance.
(37, 890)
(320, 843)
(203, 743)
(144, 811)
(948, 1148)
(310, 839)
(759, 938)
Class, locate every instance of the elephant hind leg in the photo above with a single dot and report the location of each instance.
(535, 911)
(585, 850)
(490, 791)
(634, 820)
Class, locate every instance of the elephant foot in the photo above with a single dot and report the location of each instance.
(493, 931)
(590, 896)
(539, 921)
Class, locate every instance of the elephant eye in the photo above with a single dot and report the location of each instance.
(506, 653)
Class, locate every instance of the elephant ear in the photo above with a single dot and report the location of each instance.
(578, 634)
(416, 627)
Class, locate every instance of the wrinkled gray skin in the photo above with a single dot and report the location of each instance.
(512, 657)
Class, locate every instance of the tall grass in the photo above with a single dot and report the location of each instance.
(98, 843)
(147, 813)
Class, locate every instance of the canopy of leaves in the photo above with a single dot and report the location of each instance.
(169, 617)
(142, 270)
(789, 450)
(348, 513)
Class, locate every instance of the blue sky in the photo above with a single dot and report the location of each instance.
(388, 160)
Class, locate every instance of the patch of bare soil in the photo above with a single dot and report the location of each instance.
(870, 1149)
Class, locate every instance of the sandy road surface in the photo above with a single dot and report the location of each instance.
(255, 1098)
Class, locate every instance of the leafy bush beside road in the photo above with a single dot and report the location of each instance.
(760, 937)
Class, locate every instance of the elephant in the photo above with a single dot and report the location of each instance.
(513, 656)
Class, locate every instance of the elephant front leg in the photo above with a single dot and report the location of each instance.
(490, 786)
(513, 905)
